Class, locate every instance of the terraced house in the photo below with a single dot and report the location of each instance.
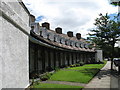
(28, 48)
(50, 49)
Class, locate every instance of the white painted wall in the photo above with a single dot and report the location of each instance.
(119, 43)
(0, 52)
(14, 46)
(99, 55)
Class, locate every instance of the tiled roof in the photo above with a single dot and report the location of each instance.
(60, 40)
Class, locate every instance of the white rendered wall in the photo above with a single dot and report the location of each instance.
(99, 55)
(14, 45)
(0, 52)
(119, 43)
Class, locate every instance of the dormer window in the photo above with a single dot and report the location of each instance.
(55, 38)
(71, 43)
(61, 40)
(48, 36)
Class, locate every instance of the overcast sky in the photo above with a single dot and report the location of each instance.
(71, 15)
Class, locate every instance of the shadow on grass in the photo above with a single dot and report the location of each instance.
(90, 72)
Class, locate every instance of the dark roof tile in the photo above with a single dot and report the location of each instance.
(60, 40)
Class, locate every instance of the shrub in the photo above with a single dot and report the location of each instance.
(82, 63)
(62, 66)
(66, 66)
(73, 65)
(34, 75)
(49, 68)
(77, 65)
(57, 68)
(45, 76)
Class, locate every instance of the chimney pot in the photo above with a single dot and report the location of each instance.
(78, 36)
(58, 30)
(46, 24)
(70, 34)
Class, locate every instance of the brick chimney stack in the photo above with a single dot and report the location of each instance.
(70, 34)
(58, 30)
(32, 21)
(78, 36)
(46, 24)
(32, 18)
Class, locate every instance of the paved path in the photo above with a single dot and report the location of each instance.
(115, 79)
(102, 79)
(66, 83)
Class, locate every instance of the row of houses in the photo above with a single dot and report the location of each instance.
(50, 49)
(27, 48)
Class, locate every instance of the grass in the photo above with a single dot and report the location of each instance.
(48, 85)
(82, 74)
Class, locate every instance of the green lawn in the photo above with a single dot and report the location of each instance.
(47, 85)
(82, 74)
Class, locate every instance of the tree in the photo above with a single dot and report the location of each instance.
(106, 33)
(115, 2)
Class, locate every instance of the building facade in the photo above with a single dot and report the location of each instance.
(14, 44)
(26, 48)
(50, 49)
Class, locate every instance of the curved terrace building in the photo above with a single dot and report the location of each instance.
(28, 49)
(50, 49)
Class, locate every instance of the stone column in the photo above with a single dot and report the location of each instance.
(79, 56)
(36, 59)
(63, 59)
(68, 58)
(59, 58)
(54, 51)
(43, 58)
(39, 61)
(76, 57)
(49, 58)
(72, 54)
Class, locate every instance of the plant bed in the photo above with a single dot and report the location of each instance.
(45, 76)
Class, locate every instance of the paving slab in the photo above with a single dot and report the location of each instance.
(102, 80)
(64, 82)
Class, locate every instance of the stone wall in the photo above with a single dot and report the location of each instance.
(14, 37)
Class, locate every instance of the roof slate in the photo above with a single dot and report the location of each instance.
(60, 40)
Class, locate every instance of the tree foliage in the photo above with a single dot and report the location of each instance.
(106, 33)
(116, 3)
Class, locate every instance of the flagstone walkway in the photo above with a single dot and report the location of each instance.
(66, 83)
(102, 79)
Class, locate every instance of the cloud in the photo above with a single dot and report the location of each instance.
(71, 15)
